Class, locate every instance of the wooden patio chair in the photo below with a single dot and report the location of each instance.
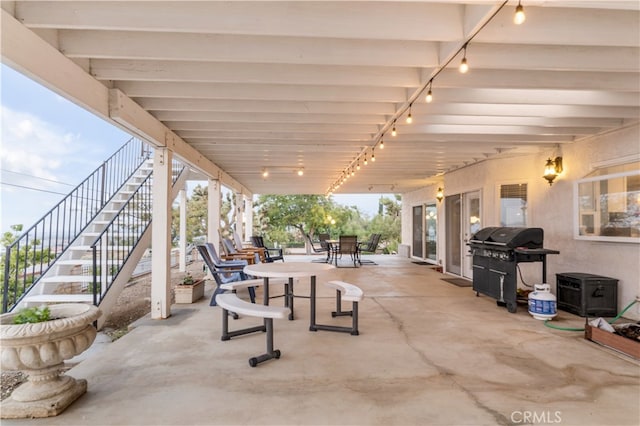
(271, 254)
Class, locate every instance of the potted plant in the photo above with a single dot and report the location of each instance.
(189, 290)
(37, 341)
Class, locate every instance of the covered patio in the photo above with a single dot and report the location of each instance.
(429, 352)
(297, 98)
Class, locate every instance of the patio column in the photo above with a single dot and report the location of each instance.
(239, 202)
(161, 235)
(182, 196)
(248, 217)
(213, 211)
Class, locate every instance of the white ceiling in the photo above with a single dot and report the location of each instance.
(282, 85)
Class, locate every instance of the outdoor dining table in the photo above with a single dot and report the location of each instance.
(290, 270)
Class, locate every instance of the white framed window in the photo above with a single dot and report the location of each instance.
(513, 204)
(607, 204)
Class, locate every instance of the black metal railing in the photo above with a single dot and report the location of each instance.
(115, 244)
(32, 254)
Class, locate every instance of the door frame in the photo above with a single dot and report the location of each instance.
(458, 230)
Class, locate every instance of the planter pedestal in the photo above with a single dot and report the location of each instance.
(70, 390)
(39, 350)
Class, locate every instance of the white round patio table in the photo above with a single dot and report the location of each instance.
(290, 270)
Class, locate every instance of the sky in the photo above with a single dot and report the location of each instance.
(50, 145)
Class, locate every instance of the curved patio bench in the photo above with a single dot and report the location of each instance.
(231, 302)
(350, 293)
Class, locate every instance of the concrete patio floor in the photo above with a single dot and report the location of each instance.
(428, 353)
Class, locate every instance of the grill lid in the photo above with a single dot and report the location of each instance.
(483, 234)
(510, 237)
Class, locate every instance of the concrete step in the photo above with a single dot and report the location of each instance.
(59, 298)
(79, 262)
(68, 279)
(88, 248)
(72, 262)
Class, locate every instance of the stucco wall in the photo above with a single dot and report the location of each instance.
(549, 207)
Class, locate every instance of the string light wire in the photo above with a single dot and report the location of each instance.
(429, 83)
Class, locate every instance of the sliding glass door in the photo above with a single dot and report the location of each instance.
(418, 232)
(431, 232)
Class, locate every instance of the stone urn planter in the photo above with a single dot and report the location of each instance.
(39, 350)
(189, 293)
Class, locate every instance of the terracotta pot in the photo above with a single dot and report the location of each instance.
(39, 350)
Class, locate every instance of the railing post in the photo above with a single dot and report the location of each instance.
(95, 280)
(5, 284)
(103, 183)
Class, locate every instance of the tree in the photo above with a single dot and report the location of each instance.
(20, 258)
(284, 218)
(227, 216)
(198, 216)
(388, 224)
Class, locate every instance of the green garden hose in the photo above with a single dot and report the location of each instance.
(555, 327)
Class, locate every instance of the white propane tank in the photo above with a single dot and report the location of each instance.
(542, 303)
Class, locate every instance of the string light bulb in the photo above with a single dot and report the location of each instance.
(373, 156)
(519, 16)
(352, 172)
(393, 131)
(464, 66)
(429, 97)
(358, 165)
(409, 117)
(365, 160)
(265, 173)
(381, 143)
(300, 172)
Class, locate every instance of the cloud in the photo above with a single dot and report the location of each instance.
(35, 147)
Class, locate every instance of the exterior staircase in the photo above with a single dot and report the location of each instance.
(87, 247)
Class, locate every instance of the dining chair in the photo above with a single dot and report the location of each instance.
(348, 244)
(323, 249)
(369, 246)
(271, 254)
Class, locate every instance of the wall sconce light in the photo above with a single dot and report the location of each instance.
(440, 194)
(552, 169)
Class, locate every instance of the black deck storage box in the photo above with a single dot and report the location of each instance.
(587, 294)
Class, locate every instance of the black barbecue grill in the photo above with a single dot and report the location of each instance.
(496, 253)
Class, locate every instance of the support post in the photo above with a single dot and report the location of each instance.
(183, 230)
(161, 235)
(248, 219)
(239, 202)
(213, 210)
